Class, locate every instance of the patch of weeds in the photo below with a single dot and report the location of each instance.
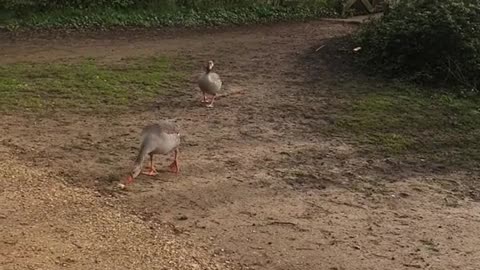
(401, 120)
(392, 142)
(430, 245)
(157, 17)
(86, 85)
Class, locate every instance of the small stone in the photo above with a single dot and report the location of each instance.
(182, 217)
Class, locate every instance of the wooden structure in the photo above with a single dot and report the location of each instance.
(370, 6)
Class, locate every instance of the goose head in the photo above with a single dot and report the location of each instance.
(137, 168)
(209, 66)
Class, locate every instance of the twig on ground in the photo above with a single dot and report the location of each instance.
(319, 48)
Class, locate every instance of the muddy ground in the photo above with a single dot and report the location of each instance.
(262, 186)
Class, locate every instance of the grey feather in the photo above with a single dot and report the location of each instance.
(159, 138)
(210, 82)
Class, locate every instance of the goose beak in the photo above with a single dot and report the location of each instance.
(129, 180)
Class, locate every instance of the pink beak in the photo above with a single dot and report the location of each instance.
(129, 180)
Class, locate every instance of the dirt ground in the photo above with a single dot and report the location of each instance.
(47, 224)
(261, 186)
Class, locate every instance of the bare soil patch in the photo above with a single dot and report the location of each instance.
(47, 224)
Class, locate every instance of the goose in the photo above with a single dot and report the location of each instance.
(160, 138)
(210, 83)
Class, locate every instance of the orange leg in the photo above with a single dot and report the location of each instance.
(204, 100)
(152, 171)
(211, 103)
(174, 167)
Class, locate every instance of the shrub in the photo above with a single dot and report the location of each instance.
(190, 4)
(155, 13)
(432, 41)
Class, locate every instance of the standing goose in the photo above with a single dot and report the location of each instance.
(210, 83)
(161, 138)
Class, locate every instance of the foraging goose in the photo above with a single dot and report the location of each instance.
(210, 83)
(161, 138)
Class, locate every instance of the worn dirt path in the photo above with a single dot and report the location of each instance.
(262, 186)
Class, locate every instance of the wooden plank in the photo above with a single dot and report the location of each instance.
(366, 3)
(348, 5)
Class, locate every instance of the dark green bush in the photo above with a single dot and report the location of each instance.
(433, 41)
(190, 4)
(106, 17)
(154, 13)
(18, 5)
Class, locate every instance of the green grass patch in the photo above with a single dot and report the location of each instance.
(155, 17)
(87, 85)
(400, 120)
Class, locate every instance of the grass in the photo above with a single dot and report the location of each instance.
(86, 85)
(396, 118)
(403, 120)
(142, 17)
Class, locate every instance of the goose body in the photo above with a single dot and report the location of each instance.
(160, 138)
(210, 83)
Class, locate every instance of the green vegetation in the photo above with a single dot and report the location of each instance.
(88, 13)
(398, 119)
(84, 86)
(428, 41)
(434, 47)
